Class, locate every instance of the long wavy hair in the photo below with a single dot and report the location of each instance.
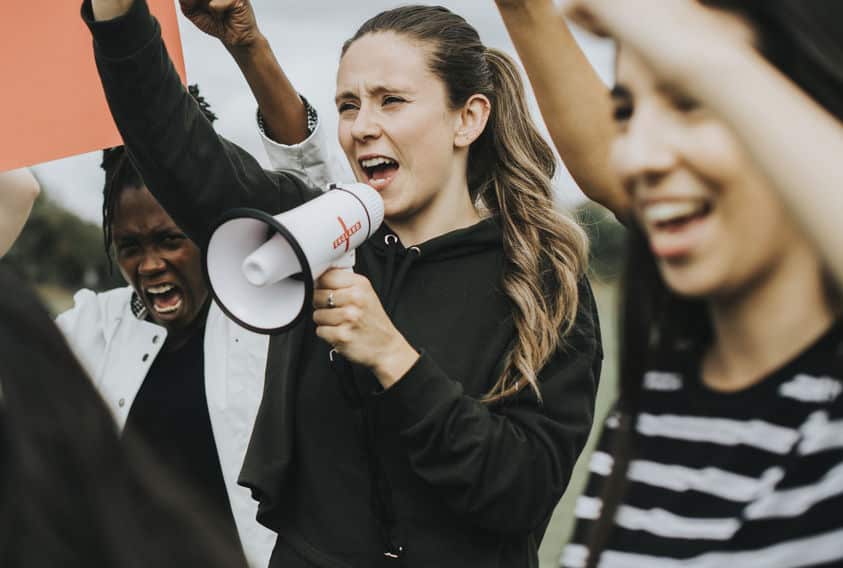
(72, 494)
(804, 40)
(510, 167)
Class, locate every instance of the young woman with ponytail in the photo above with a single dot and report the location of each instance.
(446, 431)
(724, 449)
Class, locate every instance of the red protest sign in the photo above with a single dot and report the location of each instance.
(51, 100)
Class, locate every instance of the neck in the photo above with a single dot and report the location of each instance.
(449, 209)
(754, 330)
(178, 338)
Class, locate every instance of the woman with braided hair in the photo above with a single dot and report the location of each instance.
(180, 378)
(446, 431)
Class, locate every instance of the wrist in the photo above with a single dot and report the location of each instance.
(394, 362)
(104, 10)
(249, 50)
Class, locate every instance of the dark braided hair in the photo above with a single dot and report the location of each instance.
(120, 173)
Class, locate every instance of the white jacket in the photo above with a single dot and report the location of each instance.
(318, 161)
(117, 349)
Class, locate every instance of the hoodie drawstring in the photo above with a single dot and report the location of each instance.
(394, 293)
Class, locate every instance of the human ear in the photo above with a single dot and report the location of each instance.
(472, 120)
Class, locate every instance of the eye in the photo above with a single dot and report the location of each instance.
(622, 104)
(346, 107)
(684, 103)
(126, 249)
(173, 241)
(392, 100)
(622, 112)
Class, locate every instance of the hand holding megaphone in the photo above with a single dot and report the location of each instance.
(261, 268)
(350, 317)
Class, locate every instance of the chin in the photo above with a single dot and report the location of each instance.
(693, 281)
(394, 211)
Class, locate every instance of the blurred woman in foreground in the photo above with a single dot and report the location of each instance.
(725, 445)
(70, 495)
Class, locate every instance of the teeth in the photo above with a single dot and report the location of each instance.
(375, 162)
(160, 289)
(168, 309)
(666, 212)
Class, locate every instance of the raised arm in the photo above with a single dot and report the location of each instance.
(233, 22)
(194, 173)
(290, 127)
(573, 100)
(18, 190)
(794, 140)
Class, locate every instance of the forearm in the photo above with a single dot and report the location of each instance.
(18, 191)
(504, 471)
(284, 115)
(794, 141)
(573, 100)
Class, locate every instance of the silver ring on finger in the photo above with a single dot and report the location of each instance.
(331, 303)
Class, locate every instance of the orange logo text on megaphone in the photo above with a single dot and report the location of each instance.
(346, 233)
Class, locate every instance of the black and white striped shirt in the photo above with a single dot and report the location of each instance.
(753, 478)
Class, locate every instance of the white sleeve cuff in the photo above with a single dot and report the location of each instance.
(311, 160)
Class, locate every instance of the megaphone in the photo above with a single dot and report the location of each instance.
(261, 268)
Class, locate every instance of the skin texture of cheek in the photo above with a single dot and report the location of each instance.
(714, 154)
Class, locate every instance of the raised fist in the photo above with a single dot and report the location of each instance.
(232, 21)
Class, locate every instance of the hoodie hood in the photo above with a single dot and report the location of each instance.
(486, 234)
(389, 261)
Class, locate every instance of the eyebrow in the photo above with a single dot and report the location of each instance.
(670, 91)
(373, 90)
(154, 234)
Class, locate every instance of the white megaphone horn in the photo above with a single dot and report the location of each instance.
(261, 268)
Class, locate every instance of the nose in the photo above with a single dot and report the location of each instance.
(645, 153)
(365, 125)
(151, 263)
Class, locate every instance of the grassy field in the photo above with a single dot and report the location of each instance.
(563, 517)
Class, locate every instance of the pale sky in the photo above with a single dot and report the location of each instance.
(306, 37)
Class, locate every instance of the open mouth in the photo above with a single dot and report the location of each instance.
(677, 228)
(379, 170)
(165, 299)
(675, 215)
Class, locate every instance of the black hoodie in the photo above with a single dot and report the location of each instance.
(344, 470)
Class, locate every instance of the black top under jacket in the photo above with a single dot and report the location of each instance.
(169, 416)
(344, 471)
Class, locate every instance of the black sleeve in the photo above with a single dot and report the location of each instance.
(195, 174)
(503, 468)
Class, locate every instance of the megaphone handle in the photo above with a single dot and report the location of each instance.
(345, 262)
